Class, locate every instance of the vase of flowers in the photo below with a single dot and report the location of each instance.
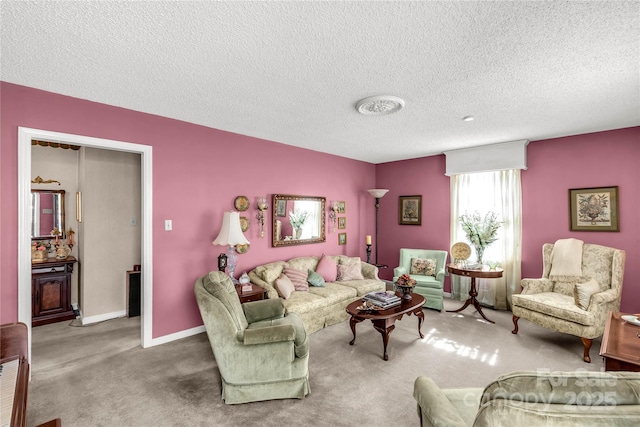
(297, 219)
(481, 231)
(405, 285)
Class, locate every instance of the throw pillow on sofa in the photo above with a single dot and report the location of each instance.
(297, 277)
(327, 268)
(284, 286)
(349, 272)
(424, 267)
(315, 279)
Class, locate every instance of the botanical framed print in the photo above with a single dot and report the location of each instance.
(342, 207)
(594, 209)
(342, 222)
(410, 210)
(342, 238)
(281, 208)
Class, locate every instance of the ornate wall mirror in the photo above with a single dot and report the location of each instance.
(297, 220)
(47, 213)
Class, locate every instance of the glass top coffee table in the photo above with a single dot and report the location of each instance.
(384, 320)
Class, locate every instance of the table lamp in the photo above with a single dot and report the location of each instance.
(231, 235)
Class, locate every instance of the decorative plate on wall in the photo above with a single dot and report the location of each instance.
(241, 203)
(242, 249)
(244, 223)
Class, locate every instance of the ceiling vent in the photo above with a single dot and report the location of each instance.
(379, 105)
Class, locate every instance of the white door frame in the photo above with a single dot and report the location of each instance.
(25, 135)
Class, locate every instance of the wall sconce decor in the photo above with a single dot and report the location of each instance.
(333, 214)
(262, 207)
(231, 235)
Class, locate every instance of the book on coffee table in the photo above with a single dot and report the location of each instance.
(383, 296)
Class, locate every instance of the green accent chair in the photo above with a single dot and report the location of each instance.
(430, 287)
(262, 353)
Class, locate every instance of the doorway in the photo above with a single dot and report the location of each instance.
(25, 136)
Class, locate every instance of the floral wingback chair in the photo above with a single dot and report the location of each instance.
(427, 268)
(576, 304)
(261, 352)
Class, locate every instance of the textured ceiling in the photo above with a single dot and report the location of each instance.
(293, 72)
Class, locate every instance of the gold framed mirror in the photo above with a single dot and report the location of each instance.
(47, 213)
(297, 220)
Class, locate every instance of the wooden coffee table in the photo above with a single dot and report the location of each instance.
(383, 320)
(620, 345)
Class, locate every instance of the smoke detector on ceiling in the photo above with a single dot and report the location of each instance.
(379, 105)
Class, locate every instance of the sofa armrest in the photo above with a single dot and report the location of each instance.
(369, 271)
(399, 271)
(536, 286)
(256, 311)
(434, 408)
(269, 334)
(256, 280)
(440, 275)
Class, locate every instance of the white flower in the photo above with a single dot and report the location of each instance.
(297, 218)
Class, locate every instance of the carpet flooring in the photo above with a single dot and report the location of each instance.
(100, 376)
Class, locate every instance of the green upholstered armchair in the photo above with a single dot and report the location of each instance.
(430, 287)
(262, 354)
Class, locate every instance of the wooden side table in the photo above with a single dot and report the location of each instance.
(473, 293)
(620, 345)
(256, 293)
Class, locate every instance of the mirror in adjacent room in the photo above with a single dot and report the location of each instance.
(297, 220)
(47, 213)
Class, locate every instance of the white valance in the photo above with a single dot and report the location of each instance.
(486, 158)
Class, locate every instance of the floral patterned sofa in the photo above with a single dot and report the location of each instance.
(325, 305)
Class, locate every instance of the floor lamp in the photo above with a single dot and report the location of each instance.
(378, 193)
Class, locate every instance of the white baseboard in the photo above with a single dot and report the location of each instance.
(178, 335)
(103, 317)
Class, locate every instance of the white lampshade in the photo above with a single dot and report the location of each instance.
(231, 232)
(378, 192)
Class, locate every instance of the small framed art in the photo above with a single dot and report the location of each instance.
(342, 222)
(594, 209)
(410, 210)
(342, 207)
(342, 238)
(281, 208)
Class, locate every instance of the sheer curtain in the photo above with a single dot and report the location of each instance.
(500, 192)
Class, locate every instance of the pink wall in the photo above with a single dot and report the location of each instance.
(197, 173)
(554, 166)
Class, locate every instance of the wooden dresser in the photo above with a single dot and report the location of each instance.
(51, 291)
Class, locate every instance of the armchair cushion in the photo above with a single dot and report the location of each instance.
(582, 293)
(271, 334)
(256, 311)
(288, 328)
(556, 306)
(425, 267)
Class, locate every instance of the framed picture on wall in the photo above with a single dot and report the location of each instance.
(281, 208)
(342, 238)
(342, 222)
(594, 209)
(342, 207)
(410, 210)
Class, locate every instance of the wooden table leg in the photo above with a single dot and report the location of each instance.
(385, 327)
(353, 322)
(420, 315)
(473, 293)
